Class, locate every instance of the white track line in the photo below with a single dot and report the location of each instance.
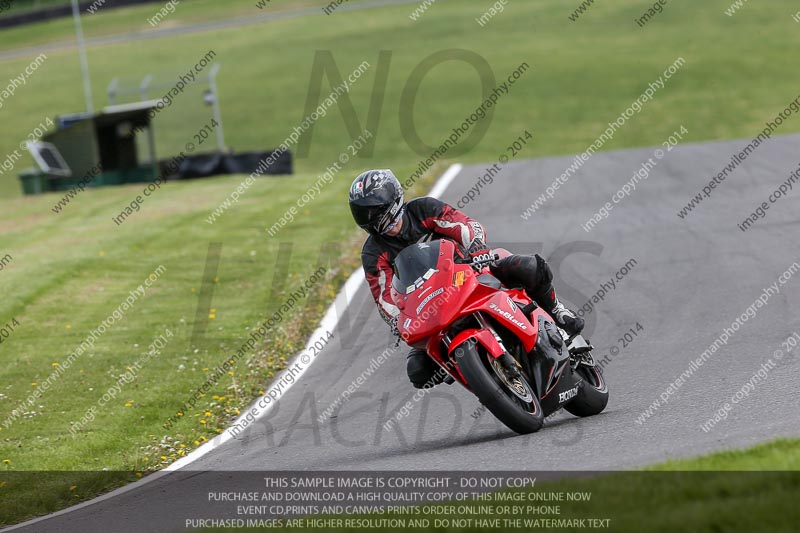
(328, 323)
(274, 393)
(444, 182)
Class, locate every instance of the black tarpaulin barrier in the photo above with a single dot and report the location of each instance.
(215, 164)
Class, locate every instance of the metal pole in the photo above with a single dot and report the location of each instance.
(87, 88)
(112, 91)
(212, 84)
(144, 87)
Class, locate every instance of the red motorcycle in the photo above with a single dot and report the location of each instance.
(495, 341)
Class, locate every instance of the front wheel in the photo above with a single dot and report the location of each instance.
(511, 400)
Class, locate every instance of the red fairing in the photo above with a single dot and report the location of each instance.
(450, 292)
(484, 336)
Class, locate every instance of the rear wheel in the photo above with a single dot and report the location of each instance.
(511, 399)
(592, 396)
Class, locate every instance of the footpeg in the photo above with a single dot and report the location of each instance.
(528, 309)
(578, 345)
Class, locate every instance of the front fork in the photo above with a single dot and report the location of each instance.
(486, 336)
(507, 362)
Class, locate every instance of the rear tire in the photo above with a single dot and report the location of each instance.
(592, 396)
(493, 392)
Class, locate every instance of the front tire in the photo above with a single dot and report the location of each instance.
(520, 410)
(592, 396)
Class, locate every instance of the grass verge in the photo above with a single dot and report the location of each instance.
(70, 271)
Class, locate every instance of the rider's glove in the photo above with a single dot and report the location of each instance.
(478, 247)
(478, 250)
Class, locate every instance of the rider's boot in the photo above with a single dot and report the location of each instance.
(563, 317)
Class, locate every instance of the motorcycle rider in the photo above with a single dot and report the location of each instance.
(378, 207)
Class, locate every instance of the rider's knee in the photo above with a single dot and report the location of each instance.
(420, 368)
(544, 276)
(529, 271)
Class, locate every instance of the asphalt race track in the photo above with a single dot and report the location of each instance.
(690, 279)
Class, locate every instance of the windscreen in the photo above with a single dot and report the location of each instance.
(413, 264)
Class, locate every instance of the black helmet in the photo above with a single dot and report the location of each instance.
(376, 201)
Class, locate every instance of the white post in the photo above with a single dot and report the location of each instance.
(87, 88)
(112, 91)
(212, 82)
(144, 86)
